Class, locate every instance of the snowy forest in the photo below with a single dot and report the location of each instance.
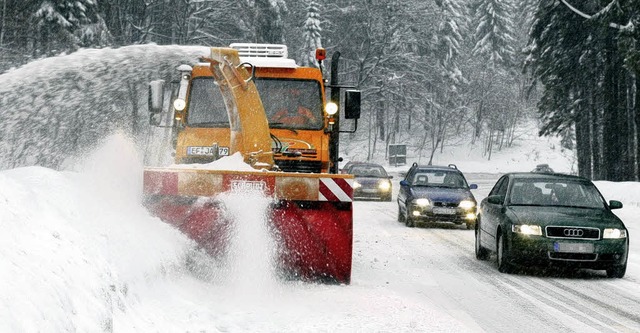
(431, 72)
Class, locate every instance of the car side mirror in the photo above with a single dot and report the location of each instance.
(473, 186)
(495, 199)
(404, 183)
(615, 204)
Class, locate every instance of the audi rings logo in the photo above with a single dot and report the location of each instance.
(573, 232)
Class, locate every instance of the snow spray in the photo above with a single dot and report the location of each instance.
(252, 248)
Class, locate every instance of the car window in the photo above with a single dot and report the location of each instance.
(438, 178)
(501, 187)
(368, 171)
(555, 192)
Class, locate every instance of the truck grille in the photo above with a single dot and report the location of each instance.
(571, 232)
(299, 166)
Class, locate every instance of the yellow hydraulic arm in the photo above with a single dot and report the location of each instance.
(249, 125)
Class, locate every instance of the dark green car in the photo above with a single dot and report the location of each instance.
(536, 219)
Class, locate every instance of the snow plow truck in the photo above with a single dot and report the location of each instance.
(253, 100)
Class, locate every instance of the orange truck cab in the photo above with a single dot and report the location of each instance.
(302, 119)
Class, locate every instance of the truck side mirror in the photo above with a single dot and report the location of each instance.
(156, 96)
(352, 104)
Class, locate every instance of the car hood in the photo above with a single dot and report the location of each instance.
(549, 215)
(442, 194)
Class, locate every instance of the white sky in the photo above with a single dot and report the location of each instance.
(80, 253)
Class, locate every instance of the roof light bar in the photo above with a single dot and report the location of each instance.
(261, 50)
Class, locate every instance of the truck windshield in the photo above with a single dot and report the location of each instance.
(293, 104)
(288, 103)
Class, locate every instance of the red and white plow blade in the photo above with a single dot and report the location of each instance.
(311, 214)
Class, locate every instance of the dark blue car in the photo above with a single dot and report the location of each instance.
(371, 181)
(436, 194)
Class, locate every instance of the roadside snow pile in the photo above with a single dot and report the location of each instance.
(626, 192)
(75, 245)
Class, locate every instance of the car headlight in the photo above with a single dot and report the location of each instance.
(466, 204)
(422, 202)
(614, 233)
(384, 185)
(356, 184)
(527, 229)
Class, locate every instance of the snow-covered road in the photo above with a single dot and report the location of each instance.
(80, 254)
(436, 265)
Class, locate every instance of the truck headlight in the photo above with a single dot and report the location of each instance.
(331, 108)
(466, 204)
(527, 229)
(384, 185)
(422, 202)
(179, 104)
(356, 184)
(614, 233)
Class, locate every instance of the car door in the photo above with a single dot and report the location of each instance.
(491, 214)
(404, 192)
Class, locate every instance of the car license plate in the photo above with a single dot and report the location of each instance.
(444, 211)
(369, 190)
(573, 247)
(207, 151)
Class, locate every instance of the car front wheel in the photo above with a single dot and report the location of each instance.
(481, 252)
(408, 220)
(617, 271)
(502, 256)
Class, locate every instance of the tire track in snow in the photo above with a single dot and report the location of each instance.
(604, 317)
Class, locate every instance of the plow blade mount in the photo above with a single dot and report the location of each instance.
(310, 216)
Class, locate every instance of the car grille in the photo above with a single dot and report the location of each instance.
(445, 204)
(570, 232)
(573, 256)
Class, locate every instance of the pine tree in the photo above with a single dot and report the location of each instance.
(59, 24)
(311, 35)
(493, 38)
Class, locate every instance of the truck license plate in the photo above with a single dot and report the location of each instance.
(573, 247)
(223, 151)
(207, 151)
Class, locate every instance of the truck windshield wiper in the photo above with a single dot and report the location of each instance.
(282, 126)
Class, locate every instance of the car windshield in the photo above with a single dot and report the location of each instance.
(555, 192)
(437, 178)
(368, 171)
